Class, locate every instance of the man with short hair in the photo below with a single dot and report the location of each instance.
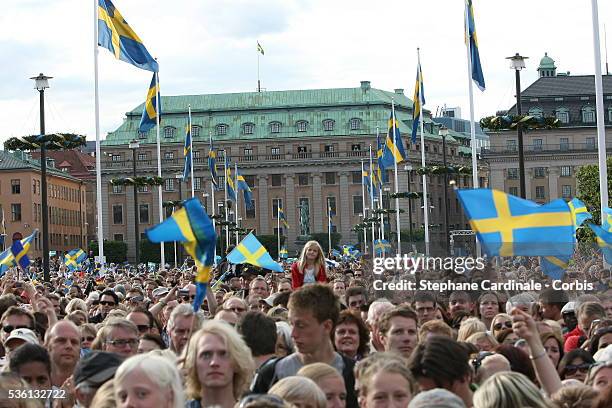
(398, 330)
(236, 305)
(284, 285)
(15, 318)
(376, 309)
(63, 341)
(339, 288)
(143, 320)
(460, 301)
(259, 333)
(259, 287)
(356, 297)
(181, 326)
(121, 338)
(227, 316)
(425, 306)
(551, 302)
(108, 301)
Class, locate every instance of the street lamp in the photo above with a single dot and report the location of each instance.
(41, 82)
(517, 62)
(134, 145)
(443, 132)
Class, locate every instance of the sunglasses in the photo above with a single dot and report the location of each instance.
(507, 324)
(143, 327)
(9, 328)
(88, 338)
(571, 369)
(237, 309)
(106, 303)
(189, 297)
(135, 299)
(121, 343)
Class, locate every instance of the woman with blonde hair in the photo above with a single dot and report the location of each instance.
(76, 304)
(310, 268)
(105, 396)
(484, 341)
(218, 365)
(469, 326)
(509, 390)
(329, 380)
(300, 392)
(388, 379)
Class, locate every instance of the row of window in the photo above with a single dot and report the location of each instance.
(54, 191)
(65, 240)
(249, 128)
(587, 114)
(540, 192)
(539, 172)
(564, 144)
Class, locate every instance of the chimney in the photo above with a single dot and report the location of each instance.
(365, 86)
(399, 91)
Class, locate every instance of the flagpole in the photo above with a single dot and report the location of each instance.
(397, 214)
(425, 200)
(191, 154)
(372, 199)
(258, 81)
(601, 135)
(226, 210)
(329, 243)
(214, 203)
(159, 169)
(471, 97)
(98, 153)
(278, 231)
(380, 201)
(363, 200)
(237, 198)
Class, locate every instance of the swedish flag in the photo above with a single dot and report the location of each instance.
(470, 35)
(229, 183)
(212, 163)
(365, 179)
(381, 246)
(17, 253)
(418, 101)
(117, 36)
(252, 252)
(375, 181)
(187, 152)
(282, 218)
(394, 147)
(554, 266)
(606, 223)
(74, 259)
(241, 184)
(604, 241)
(508, 225)
(149, 113)
(283, 253)
(382, 173)
(191, 226)
(579, 212)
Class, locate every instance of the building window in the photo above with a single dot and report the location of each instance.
(539, 172)
(142, 135)
(512, 174)
(330, 178)
(118, 237)
(540, 192)
(221, 129)
(197, 183)
(566, 171)
(563, 115)
(196, 154)
(117, 189)
(250, 211)
(356, 177)
(303, 179)
(537, 144)
(250, 180)
(590, 143)
(302, 126)
(275, 151)
(277, 202)
(355, 147)
(16, 186)
(610, 114)
(536, 112)
(143, 213)
(357, 205)
(248, 153)
(248, 128)
(15, 212)
(169, 132)
(195, 131)
(588, 115)
(143, 189)
(566, 191)
(117, 214)
(513, 191)
(169, 155)
(511, 145)
(275, 127)
(142, 156)
(276, 180)
(328, 124)
(169, 184)
(116, 157)
(564, 143)
(355, 124)
(331, 204)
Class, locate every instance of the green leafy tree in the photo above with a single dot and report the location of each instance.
(114, 251)
(150, 252)
(417, 235)
(587, 179)
(270, 242)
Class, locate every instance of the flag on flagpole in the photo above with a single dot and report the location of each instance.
(283, 253)
(191, 225)
(149, 113)
(212, 164)
(365, 179)
(394, 147)
(260, 48)
(418, 102)
(579, 212)
(382, 173)
(282, 218)
(187, 152)
(252, 252)
(74, 259)
(381, 246)
(472, 38)
(241, 184)
(117, 36)
(229, 182)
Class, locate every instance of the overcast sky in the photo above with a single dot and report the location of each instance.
(209, 46)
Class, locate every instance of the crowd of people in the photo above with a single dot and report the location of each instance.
(314, 336)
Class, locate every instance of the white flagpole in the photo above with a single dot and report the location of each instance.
(397, 214)
(471, 97)
(159, 169)
(214, 203)
(425, 200)
(226, 210)
(380, 191)
(278, 237)
(363, 199)
(237, 199)
(329, 224)
(372, 199)
(98, 153)
(191, 154)
(601, 135)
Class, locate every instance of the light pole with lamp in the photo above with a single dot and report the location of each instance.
(134, 145)
(517, 62)
(443, 132)
(179, 180)
(41, 83)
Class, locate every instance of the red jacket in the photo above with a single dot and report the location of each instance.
(297, 278)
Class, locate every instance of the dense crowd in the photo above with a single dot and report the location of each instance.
(318, 335)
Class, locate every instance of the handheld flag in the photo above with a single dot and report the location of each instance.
(191, 226)
(508, 225)
(283, 219)
(229, 184)
(606, 223)
(117, 36)
(252, 252)
(212, 164)
(394, 147)
(187, 152)
(554, 266)
(579, 212)
(472, 39)
(418, 101)
(241, 184)
(149, 113)
(381, 246)
(260, 48)
(283, 254)
(17, 252)
(74, 259)
(604, 241)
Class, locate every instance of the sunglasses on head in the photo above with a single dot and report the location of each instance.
(9, 328)
(507, 324)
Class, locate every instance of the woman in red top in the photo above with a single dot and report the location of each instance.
(310, 268)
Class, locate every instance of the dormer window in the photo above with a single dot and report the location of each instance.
(195, 130)
(301, 126)
(563, 115)
(248, 128)
(328, 125)
(275, 127)
(355, 124)
(169, 132)
(588, 114)
(221, 129)
(536, 112)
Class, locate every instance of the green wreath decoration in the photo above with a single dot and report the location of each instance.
(511, 121)
(138, 181)
(461, 170)
(408, 194)
(55, 141)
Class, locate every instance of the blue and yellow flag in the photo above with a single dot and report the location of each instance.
(418, 101)
(117, 36)
(606, 223)
(380, 151)
(579, 212)
(283, 254)
(230, 185)
(212, 163)
(470, 35)
(394, 147)
(191, 225)
(365, 179)
(17, 253)
(241, 184)
(604, 241)
(149, 113)
(510, 226)
(554, 266)
(282, 218)
(381, 246)
(187, 152)
(74, 259)
(252, 252)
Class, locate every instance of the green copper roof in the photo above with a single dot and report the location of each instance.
(546, 62)
(18, 160)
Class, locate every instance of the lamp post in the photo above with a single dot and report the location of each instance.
(408, 169)
(179, 180)
(444, 132)
(134, 145)
(41, 83)
(517, 62)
